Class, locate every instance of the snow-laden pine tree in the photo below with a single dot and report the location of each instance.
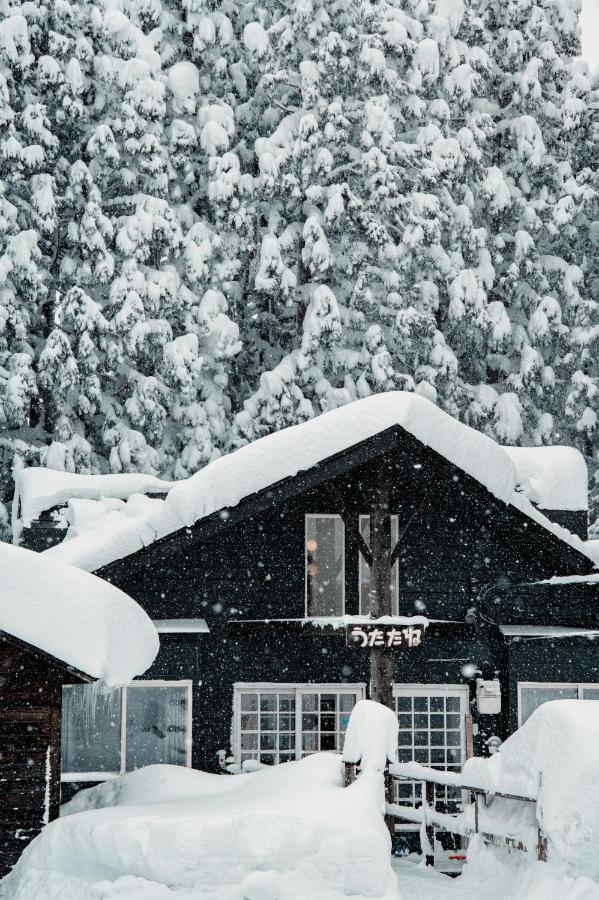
(538, 215)
(373, 271)
(221, 219)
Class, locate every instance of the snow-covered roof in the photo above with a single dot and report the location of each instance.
(38, 489)
(547, 631)
(76, 617)
(181, 626)
(259, 465)
(553, 478)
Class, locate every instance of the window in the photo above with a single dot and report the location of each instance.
(325, 565)
(108, 734)
(532, 694)
(432, 731)
(365, 568)
(276, 723)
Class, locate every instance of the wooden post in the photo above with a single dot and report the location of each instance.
(541, 846)
(381, 658)
(429, 793)
(389, 798)
(349, 774)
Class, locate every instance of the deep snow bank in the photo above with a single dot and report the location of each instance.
(553, 757)
(288, 832)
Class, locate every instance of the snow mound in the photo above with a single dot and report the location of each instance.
(287, 832)
(553, 758)
(551, 477)
(371, 736)
(76, 617)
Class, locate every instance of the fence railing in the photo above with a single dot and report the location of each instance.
(465, 824)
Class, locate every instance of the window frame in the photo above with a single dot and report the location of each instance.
(579, 685)
(136, 685)
(282, 687)
(313, 515)
(462, 691)
(394, 569)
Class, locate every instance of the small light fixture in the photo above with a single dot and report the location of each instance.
(311, 545)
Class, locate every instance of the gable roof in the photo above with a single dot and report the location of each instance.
(79, 619)
(268, 461)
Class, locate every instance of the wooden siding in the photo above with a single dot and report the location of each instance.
(30, 696)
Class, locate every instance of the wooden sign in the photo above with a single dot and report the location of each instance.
(366, 635)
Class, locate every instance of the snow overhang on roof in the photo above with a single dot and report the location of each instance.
(181, 626)
(547, 632)
(257, 466)
(553, 478)
(79, 619)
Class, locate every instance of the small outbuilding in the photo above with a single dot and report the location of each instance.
(58, 625)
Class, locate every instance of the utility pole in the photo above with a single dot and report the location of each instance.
(381, 566)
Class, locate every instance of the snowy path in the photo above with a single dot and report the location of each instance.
(416, 882)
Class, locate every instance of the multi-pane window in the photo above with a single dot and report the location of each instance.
(365, 581)
(533, 694)
(277, 723)
(325, 565)
(432, 731)
(108, 734)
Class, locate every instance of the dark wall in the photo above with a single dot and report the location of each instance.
(568, 660)
(460, 541)
(30, 703)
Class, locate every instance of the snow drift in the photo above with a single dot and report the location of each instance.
(553, 758)
(288, 832)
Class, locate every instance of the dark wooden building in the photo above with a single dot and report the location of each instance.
(253, 601)
(31, 684)
(60, 630)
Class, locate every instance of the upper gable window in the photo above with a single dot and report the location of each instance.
(325, 565)
(365, 568)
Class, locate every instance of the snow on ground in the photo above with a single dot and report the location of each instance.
(226, 481)
(289, 832)
(78, 618)
(492, 874)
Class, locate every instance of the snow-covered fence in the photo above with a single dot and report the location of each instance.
(520, 831)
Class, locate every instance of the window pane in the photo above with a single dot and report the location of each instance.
(590, 693)
(365, 568)
(532, 697)
(156, 725)
(425, 734)
(249, 702)
(91, 730)
(324, 565)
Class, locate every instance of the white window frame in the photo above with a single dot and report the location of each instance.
(426, 690)
(579, 685)
(280, 687)
(362, 563)
(135, 685)
(307, 517)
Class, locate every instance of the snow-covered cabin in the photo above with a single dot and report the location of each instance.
(253, 571)
(60, 629)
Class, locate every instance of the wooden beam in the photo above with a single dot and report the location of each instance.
(397, 549)
(351, 522)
